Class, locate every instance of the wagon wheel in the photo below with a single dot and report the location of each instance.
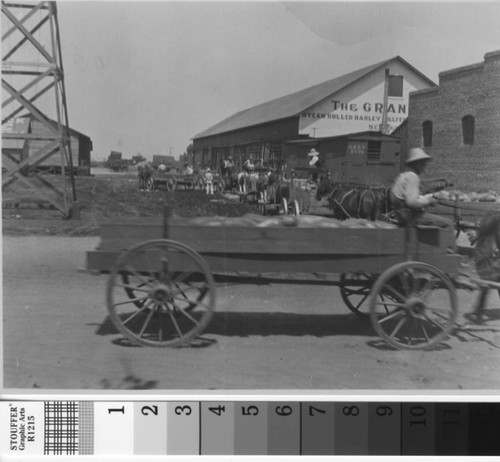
(413, 305)
(262, 203)
(135, 292)
(171, 184)
(295, 208)
(153, 304)
(355, 290)
(150, 183)
(284, 206)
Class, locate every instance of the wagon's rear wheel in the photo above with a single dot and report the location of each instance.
(160, 293)
(295, 208)
(413, 305)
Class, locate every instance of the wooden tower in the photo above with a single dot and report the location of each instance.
(33, 90)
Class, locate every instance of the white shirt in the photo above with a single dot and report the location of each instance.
(313, 161)
(407, 187)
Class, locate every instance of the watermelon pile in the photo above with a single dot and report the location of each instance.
(301, 221)
(452, 195)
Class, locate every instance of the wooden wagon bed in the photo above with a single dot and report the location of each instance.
(161, 287)
(232, 249)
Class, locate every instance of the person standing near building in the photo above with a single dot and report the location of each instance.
(314, 155)
(407, 202)
(315, 162)
(209, 182)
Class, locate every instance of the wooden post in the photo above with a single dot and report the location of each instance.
(384, 126)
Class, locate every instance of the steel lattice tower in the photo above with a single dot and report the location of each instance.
(33, 89)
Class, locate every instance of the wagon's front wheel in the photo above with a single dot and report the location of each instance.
(173, 293)
(413, 305)
(355, 291)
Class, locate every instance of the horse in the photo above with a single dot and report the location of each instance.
(145, 174)
(487, 260)
(243, 180)
(350, 202)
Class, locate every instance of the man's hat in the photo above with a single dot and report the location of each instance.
(417, 154)
(313, 153)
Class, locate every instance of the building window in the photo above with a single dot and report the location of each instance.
(395, 86)
(427, 133)
(373, 154)
(468, 130)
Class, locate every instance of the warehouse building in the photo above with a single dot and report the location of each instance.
(365, 104)
(458, 124)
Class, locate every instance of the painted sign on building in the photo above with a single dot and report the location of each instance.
(358, 108)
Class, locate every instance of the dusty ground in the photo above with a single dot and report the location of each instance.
(108, 197)
(57, 334)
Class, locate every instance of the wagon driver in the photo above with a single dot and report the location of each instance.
(407, 201)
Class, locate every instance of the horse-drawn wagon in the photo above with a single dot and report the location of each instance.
(161, 289)
(172, 181)
(294, 195)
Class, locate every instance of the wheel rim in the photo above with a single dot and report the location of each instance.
(413, 305)
(355, 291)
(153, 304)
(171, 184)
(284, 206)
(296, 208)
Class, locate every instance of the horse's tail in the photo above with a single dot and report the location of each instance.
(368, 206)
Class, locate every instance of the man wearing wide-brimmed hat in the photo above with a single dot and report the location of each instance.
(406, 199)
(315, 162)
(314, 155)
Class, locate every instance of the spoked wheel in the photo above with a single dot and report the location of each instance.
(262, 203)
(171, 184)
(355, 291)
(295, 208)
(284, 206)
(160, 293)
(150, 184)
(135, 292)
(413, 306)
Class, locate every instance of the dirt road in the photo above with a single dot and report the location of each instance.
(57, 335)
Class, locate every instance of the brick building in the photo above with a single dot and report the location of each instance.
(458, 124)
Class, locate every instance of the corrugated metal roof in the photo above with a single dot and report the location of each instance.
(293, 104)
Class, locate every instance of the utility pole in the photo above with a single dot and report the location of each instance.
(31, 69)
(384, 126)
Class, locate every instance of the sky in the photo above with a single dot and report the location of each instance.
(146, 77)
